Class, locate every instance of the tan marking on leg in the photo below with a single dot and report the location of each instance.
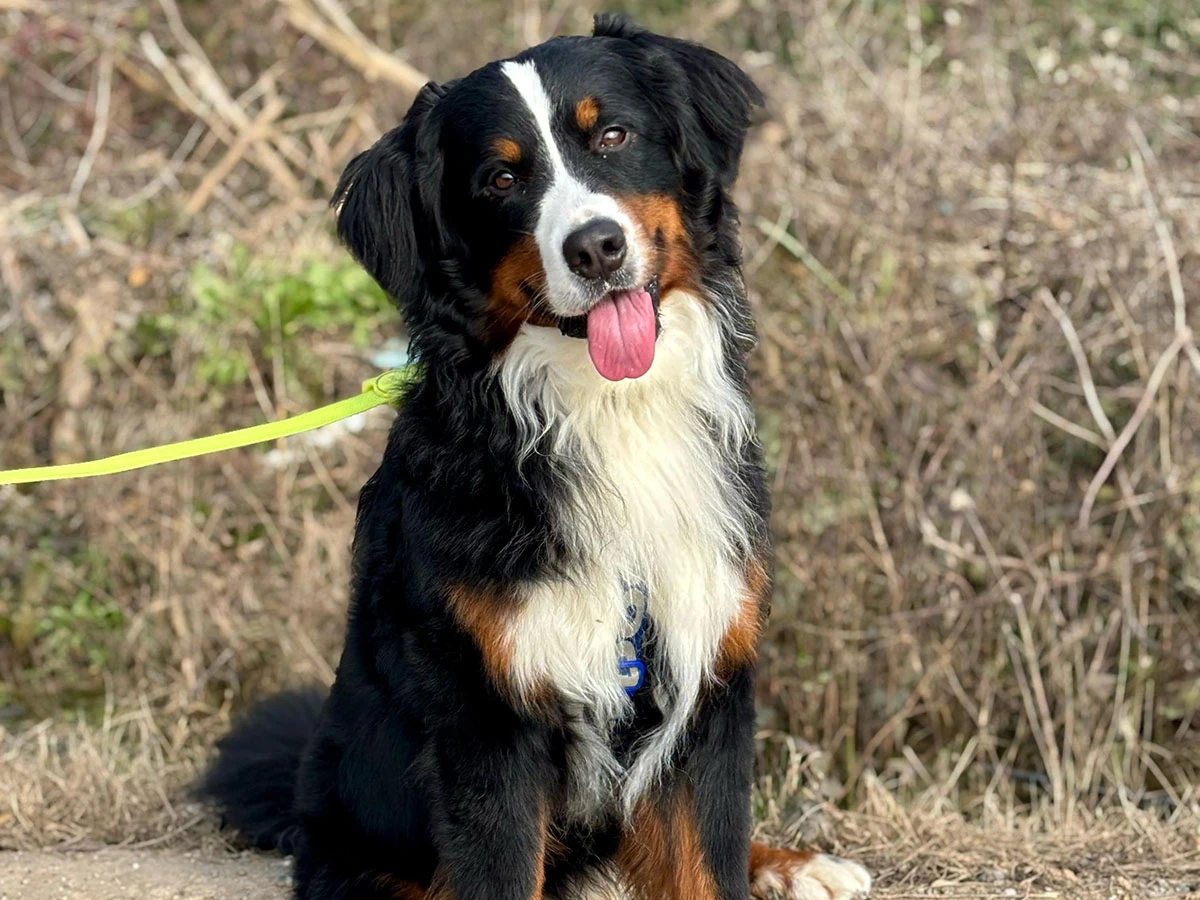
(539, 859)
(780, 874)
(439, 887)
(661, 856)
(408, 890)
(485, 617)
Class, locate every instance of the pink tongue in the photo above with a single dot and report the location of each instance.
(621, 333)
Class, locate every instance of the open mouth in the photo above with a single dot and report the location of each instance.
(621, 331)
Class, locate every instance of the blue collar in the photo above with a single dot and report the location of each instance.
(629, 662)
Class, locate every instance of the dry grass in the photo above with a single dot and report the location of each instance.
(998, 325)
(973, 243)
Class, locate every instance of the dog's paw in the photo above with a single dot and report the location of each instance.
(800, 875)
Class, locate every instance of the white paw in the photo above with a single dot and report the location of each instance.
(819, 877)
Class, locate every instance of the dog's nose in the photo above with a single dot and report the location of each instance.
(596, 249)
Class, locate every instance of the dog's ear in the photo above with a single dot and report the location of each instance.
(723, 97)
(713, 96)
(387, 201)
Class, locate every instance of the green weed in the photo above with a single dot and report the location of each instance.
(63, 630)
(251, 305)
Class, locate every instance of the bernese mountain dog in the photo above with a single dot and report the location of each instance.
(562, 566)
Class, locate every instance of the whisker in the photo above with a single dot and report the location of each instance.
(540, 302)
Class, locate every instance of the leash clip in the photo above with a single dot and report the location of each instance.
(629, 664)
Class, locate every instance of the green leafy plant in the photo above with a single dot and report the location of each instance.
(78, 627)
(250, 304)
(62, 622)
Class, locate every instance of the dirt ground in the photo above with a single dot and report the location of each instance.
(194, 875)
(917, 851)
(146, 874)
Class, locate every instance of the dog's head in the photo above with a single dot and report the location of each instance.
(570, 187)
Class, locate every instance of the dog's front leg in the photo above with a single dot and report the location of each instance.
(691, 839)
(490, 811)
(720, 770)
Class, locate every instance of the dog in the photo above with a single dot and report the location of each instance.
(562, 566)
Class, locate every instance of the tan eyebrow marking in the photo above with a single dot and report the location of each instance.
(587, 111)
(507, 149)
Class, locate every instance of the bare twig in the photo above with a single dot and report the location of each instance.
(785, 240)
(1081, 363)
(1193, 353)
(75, 230)
(1041, 719)
(1084, 434)
(10, 267)
(352, 135)
(1170, 256)
(99, 130)
(201, 109)
(353, 46)
(1131, 427)
(258, 128)
(165, 176)
(185, 96)
(319, 119)
(12, 134)
(208, 84)
(70, 95)
(204, 78)
(341, 19)
(1163, 233)
(1089, 385)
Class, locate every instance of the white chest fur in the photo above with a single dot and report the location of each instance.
(656, 507)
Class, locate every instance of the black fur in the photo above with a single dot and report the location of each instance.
(254, 778)
(418, 770)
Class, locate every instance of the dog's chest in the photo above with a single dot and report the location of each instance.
(657, 528)
(656, 586)
(654, 561)
(650, 512)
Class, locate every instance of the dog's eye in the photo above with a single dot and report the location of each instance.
(612, 137)
(503, 181)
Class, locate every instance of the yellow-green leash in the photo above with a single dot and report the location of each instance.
(388, 387)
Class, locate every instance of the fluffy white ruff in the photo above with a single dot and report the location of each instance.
(650, 500)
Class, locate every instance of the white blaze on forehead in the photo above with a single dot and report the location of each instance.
(567, 204)
(528, 82)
